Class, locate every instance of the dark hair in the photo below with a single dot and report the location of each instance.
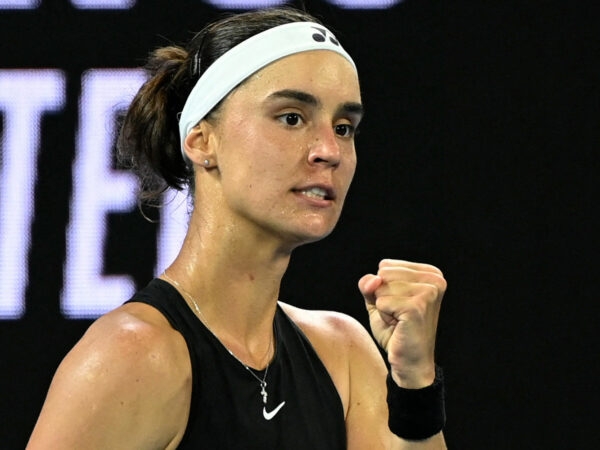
(149, 142)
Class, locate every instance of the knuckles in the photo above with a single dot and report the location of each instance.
(411, 283)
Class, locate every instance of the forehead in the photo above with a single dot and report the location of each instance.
(320, 71)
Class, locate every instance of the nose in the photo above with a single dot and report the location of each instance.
(325, 149)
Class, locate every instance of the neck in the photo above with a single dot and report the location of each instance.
(235, 284)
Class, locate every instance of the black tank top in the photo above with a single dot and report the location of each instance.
(226, 410)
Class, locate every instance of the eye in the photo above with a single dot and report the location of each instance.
(345, 130)
(291, 119)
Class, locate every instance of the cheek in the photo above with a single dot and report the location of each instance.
(353, 161)
(238, 149)
(350, 166)
(255, 168)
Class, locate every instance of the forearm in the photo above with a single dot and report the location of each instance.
(417, 416)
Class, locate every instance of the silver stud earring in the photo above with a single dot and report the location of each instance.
(206, 162)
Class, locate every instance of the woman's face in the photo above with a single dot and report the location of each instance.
(285, 145)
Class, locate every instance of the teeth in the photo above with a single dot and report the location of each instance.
(315, 192)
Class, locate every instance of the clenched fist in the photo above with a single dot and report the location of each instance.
(403, 301)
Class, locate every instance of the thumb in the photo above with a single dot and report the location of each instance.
(367, 285)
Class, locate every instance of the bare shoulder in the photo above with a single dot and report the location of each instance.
(129, 372)
(137, 337)
(336, 336)
(344, 346)
(132, 340)
(330, 326)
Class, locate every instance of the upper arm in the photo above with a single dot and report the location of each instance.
(367, 417)
(122, 386)
(357, 370)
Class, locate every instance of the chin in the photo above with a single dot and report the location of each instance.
(312, 234)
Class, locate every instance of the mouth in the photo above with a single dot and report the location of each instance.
(317, 192)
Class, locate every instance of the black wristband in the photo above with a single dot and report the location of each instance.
(416, 414)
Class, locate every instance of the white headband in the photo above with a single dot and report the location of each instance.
(249, 56)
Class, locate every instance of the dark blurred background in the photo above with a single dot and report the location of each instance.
(478, 154)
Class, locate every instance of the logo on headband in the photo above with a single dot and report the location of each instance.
(323, 35)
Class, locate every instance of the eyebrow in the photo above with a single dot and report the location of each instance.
(301, 96)
(353, 108)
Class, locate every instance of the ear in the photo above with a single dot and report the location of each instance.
(200, 145)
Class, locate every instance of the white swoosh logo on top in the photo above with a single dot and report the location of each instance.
(270, 415)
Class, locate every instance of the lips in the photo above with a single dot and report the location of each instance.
(318, 192)
(315, 193)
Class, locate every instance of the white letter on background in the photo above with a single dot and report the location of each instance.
(365, 4)
(24, 96)
(98, 190)
(19, 4)
(103, 4)
(244, 4)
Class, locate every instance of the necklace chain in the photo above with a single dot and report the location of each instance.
(263, 381)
